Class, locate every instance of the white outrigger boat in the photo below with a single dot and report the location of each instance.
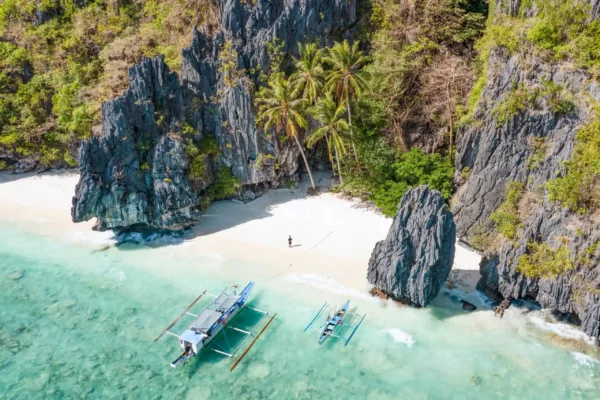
(213, 320)
(338, 325)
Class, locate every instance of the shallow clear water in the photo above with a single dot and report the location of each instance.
(80, 323)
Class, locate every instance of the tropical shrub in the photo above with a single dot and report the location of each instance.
(579, 187)
(225, 186)
(541, 261)
(506, 217)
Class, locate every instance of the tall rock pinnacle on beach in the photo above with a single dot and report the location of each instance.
(169, 137)
(415, 259)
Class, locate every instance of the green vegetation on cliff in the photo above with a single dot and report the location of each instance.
(417, 89)
(60, 59)
(523, 98)
(579, 188)
(541, 261)
(561, 28)
(225, 186)
(559, 31)
(506, 217)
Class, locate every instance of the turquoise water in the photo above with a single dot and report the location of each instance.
(80, 323)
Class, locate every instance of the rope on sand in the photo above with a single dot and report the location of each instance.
(296, 259)
(307, 251)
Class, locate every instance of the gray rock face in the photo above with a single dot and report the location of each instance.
(227, 112)
(495, 154)
(490, 155)
(574, 293)
(135, 172)
(415, 259)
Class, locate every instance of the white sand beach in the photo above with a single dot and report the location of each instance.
(333, 236)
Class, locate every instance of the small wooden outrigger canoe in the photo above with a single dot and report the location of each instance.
(337, 326)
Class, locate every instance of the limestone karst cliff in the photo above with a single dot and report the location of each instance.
(137, 172)
(522, 132)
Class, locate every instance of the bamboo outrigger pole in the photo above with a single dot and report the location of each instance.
(180, 315)
(252, 344)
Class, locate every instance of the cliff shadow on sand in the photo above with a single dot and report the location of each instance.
(223, 215)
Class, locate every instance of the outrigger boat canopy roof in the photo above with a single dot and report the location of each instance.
(209, 327)
(223, 302)
(206, 319)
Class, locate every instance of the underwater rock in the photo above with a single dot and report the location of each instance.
(415, 259)
(198, 392)
(67, 303)
(259, 371)
(468, 306)
(15, 276)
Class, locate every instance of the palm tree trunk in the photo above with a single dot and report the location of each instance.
(312, 182)
(337, 157)
(350, 124)
(330, 157)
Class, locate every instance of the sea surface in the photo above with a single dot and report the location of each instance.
(77, 322)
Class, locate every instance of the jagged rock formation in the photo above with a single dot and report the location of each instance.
(135, 173)
(529, 147)
(415, 259)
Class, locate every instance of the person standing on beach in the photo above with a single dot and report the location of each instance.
(290, 241)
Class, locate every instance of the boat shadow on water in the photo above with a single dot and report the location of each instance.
(223, 363)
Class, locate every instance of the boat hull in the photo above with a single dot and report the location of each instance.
(214, 330)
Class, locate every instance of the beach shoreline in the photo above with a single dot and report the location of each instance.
(333, 236)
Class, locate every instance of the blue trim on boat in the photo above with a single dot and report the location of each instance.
(354, 331)
(245, 294)
(346, 306)
(238, 304)
(316, 316)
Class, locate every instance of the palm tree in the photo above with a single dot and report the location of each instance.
(333, 128)
(308, 77)
(280, 107)
(347, 79)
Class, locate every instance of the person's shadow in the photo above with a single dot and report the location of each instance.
(295, 245)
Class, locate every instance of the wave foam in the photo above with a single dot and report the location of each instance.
(584, 359)
(400, 336)
(96, 238)
(561, 329)
(329, 285)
